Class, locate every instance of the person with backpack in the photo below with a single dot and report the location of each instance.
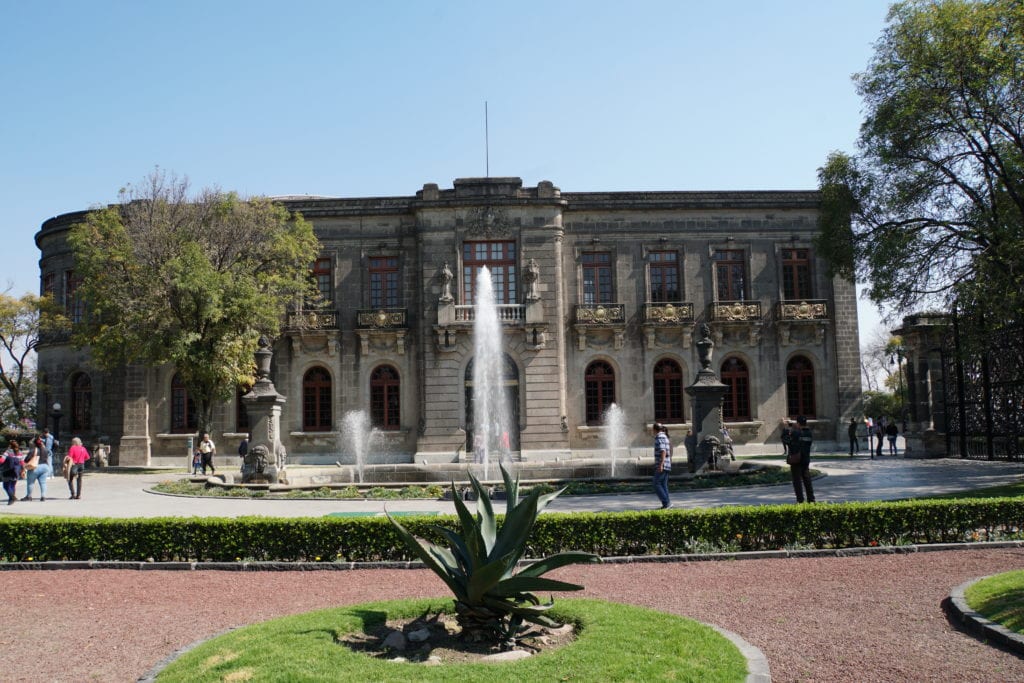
(891, 432)
(11, 469)
(39, 468)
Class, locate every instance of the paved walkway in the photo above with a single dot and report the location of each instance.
(115, 494)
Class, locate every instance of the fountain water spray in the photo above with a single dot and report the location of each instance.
(491, 422)
(357, 432)
(614, 431)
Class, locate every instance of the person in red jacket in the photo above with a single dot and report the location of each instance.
(77, 455)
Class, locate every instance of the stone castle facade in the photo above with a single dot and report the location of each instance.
(598, 292)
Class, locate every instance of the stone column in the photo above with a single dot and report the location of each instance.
(266, 460)
(706, 395)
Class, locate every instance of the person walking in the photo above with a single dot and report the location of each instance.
(11, 468)
(801, 470)
(77, 455)
(42, 469)
(207, 450)
(786, 437)
(662, 464)
(852, 431)
(878, 437)
(891, 432)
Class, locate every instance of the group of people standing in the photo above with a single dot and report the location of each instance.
(878, 429)
(34, 463)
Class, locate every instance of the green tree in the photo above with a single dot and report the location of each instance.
(23, 320)
(931, 209)
(190, 281)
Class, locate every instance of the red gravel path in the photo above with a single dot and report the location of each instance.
(876, 618)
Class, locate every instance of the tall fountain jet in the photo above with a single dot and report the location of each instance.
(491, 416)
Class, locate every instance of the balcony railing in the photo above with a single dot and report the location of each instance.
(507, 313)
(312, 320)
(735, 311)
(808, 309)
(382, 318)
(600, 314)
(668, 313)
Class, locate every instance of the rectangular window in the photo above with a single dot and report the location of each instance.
(323, 277)
(730, 275)
(384, 282)
(663, 270)
(73, 307)
(49, 286)
(796, 274)
(500, 259)
(597, 277)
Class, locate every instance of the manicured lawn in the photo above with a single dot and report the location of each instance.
(1005, 490)
(615, 643)
(1000, 598)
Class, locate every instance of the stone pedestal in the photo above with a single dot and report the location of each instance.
(706, 395)
(266, 460)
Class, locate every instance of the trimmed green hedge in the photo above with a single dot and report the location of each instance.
(608, 534)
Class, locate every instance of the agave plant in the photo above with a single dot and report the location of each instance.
(492, 600)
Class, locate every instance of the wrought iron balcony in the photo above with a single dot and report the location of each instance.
(382, 319)
(797, 310)
(312, 320)
(600, 314)
(668, 313)
(735, 312)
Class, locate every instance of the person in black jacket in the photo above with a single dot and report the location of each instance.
(801, 471)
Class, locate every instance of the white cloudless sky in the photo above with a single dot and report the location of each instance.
(356, 99)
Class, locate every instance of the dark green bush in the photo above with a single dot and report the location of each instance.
(607, 534)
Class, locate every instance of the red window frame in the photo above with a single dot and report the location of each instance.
(730, 274)
(596, 277)
(599, 382)
(384, 289)
(316, 400)
(663, 272)
(184, 417)
(385, 398)
(736, 402)
(81, 402)
(500, 259)
(323, 276)
(668, 391)
(796, 274)
(800, 387)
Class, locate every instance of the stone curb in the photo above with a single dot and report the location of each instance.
(979, 625)
(416, 564)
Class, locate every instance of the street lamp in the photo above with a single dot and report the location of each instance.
(898, 360)
(56, 415)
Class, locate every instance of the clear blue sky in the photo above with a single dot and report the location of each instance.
(377, 98)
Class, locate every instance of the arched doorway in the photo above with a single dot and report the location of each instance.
(511, 387)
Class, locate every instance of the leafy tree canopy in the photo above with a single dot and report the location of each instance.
(23, 320)
(191, 281)
(931, 209)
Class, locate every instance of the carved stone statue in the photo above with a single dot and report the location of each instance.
(531, 275)
(705, 345)
(446, 284)
(257, 467)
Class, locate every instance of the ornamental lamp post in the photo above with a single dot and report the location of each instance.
(898, 360)
(55, 416)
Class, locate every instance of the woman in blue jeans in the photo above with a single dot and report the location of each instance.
(42, 471)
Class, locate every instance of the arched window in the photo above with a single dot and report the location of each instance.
(385, 395)
(668, 391)
(316, 401)
(736, 403)
(183, 408)
(81, 402)
(600, 390)
(800, 387)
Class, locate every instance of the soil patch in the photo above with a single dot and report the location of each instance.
(434, 639)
